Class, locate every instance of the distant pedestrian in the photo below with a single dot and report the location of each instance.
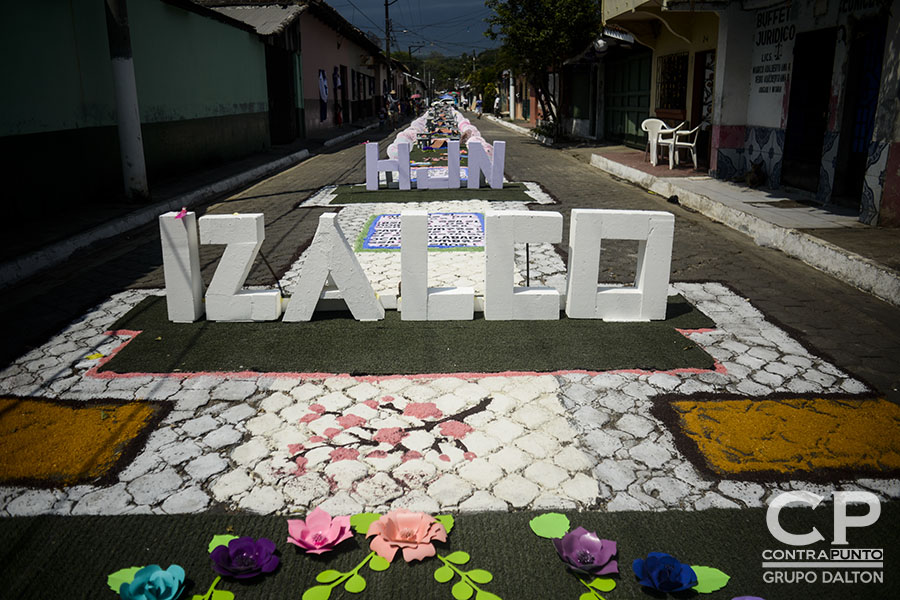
(478, 107)
(497, 106)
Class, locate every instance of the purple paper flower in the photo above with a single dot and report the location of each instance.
(152, 583)
(663, 572)
(584, 552)
(319, 532)
(245, 557)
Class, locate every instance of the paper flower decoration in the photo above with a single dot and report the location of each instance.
(152, 583)
(411, 532)
(245, 557)
(585, 553)
(663, 572)
(319, 532)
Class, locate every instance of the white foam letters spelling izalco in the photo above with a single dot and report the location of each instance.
(331, 271)
(330, 259)
(181, 266)
(225, 300)
(420, 302)
(645, 301)
(502, 301)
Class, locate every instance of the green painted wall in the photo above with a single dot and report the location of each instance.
(201, 90)
(190, 67)
(55, 67)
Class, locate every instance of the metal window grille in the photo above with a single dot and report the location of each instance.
(671, 81)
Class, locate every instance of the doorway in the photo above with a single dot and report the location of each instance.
(808, 108)
(866, 52)
(627, 96)
(282, 101)
(702, 103)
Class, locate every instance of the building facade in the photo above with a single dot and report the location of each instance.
(804, 91)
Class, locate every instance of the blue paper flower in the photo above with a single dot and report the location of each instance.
(663, 572)
(152, 583)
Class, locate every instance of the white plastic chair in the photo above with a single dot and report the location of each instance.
(676, 144)
(656, 130)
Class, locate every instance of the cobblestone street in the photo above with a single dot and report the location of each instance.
(467, 442)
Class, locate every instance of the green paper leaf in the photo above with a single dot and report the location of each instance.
(355, 584)
(709, 579)
(360, 522)
(443, 574)
(483, 595)
(377, 563)
(446, 521)
(457, 558)
(550, 525)
(222, 595)
(328, 576)
(603, 584)
(220, 540)
(319, 592)
(115, 580)
(480, 576)
(462, 590)
(587, 596)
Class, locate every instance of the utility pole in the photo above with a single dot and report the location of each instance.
(131, 145)
(387, 43)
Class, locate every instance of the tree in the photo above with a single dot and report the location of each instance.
(540, 35)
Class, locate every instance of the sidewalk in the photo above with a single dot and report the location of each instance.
(833, 241)
(829, 239)
(52, 239)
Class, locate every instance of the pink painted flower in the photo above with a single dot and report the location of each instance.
(469, 455)
(389, 435)
(331, 432)
(319, 532)
(455, 429)
(377, 454)
(422, 410)
(318, 408)
(309, 417)
(301, 462)
(348, 421)
(344, 454)
(411, 532)
(371, 403)
(411, 455)
(294, 448)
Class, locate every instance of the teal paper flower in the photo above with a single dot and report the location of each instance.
(152, 583)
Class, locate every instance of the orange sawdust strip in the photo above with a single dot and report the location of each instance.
(63, 443)
(742, 437)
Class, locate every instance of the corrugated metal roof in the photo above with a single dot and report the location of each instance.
(266, 20)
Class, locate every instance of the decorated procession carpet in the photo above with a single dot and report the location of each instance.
(128, 441)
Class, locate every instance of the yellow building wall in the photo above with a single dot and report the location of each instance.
(682, 32)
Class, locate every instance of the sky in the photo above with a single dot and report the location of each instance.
(448, 27)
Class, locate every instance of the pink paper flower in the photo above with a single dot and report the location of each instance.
(319, 533)
(411, 532)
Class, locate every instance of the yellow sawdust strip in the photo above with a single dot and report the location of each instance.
(747, 436)
(61, 443)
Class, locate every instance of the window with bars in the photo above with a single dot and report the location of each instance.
(671, 81)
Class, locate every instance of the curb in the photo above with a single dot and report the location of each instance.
(348, 135)
(542, 139)
(17, 269)
(849, 267)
